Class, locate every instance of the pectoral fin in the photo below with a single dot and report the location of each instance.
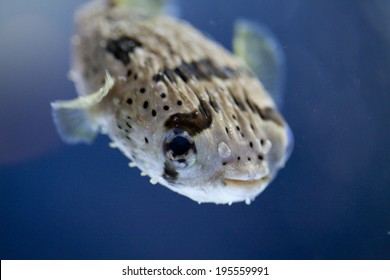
(75, 119)
(256, 45)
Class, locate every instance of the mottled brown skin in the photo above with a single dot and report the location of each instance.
(168, 75)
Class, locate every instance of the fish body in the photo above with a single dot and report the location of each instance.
(184, 110)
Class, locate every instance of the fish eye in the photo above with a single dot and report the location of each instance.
(179, 148)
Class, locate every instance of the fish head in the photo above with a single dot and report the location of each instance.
(206, 168)
(199, 152)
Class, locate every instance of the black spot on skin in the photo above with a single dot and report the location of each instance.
(227, 130)
(129, 101)
(258, 111)
(163, 95)
(238, 128)
(260, 157)
(203, 69)
(170, 74)
(249, 159)
(206, 69)
(252, 127)
(251, 144)
(128, 125)
(122, 48)
(166, 108)
(249, 104)
(154, 113)
(194, 122)
(238, 158)
(212, 102)
(120, 127)
(224, 163)
(183, 72)
(170, 174)
(234, 117)
(233, 73)
(262, 142)
(146, 140)
(142, 90)
(146, 104)
(158, 77)
(129, 72)
(135, 76)
(179, 102)
(214, 105)
(198, 70)
(239, 103)
(270, 114)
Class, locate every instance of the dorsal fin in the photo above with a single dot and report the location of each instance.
(149, 7)
(256, 45)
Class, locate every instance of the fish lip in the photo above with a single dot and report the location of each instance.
(252, 183)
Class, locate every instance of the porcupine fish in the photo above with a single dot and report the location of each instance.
(184, 110)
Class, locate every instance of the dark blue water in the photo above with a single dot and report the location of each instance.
(332, 201)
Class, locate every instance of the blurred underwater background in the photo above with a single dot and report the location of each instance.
(331, 201)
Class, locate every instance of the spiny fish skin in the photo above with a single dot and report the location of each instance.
(187, 112)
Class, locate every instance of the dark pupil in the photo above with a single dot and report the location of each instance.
(179, 146)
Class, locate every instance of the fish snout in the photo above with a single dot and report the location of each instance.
(247, 176)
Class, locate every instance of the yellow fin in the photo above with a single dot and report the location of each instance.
(74, 119)
(149, 7)
(257, 46)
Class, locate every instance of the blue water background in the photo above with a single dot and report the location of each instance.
(332, 200)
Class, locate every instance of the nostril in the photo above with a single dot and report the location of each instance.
(224, 150)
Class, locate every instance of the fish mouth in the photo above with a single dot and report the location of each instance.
(236, 183)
